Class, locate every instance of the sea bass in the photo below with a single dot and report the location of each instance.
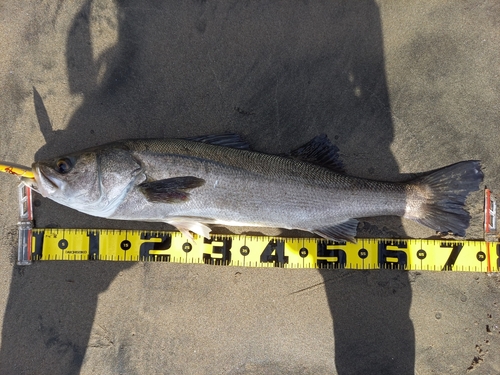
(192, 182)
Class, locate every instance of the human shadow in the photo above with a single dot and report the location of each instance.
(51, 306)
(277, 74)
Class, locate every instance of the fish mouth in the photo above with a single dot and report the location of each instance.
(44, 184)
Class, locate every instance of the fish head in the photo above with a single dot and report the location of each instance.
(93, 181)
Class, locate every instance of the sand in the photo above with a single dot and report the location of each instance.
(400, 87)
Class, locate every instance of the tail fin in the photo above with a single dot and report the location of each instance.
(437, 199)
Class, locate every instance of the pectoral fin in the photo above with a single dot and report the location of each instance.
(186, 225)
(170, 190)
(345, 231)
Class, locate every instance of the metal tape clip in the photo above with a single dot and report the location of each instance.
(25, 225)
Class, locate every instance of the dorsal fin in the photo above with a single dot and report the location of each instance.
(227, 140)
(320, 151)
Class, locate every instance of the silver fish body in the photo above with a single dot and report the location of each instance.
(191, 183)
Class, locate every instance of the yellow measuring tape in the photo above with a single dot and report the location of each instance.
(262, 251)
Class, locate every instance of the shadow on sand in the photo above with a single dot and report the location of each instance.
(278, 75)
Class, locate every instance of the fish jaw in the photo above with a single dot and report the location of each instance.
(93, 202)
(93, 181)
(49, 186)
(44, 184)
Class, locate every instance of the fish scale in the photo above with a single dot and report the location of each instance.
(284, 180)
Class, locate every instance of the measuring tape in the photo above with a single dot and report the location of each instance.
(263, 251)
(37, 244)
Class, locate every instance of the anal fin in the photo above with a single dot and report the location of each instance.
(345, 231)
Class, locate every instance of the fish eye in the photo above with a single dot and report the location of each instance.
(64, 165)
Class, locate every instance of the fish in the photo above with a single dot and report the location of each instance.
(191, 183)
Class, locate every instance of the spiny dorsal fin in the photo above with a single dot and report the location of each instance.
(320, 151)
(226, 140)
